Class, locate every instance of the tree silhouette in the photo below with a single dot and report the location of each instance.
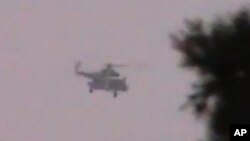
(220, 53)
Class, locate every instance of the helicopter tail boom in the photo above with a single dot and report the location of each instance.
(85, 74)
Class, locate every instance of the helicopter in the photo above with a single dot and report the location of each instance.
(106, 79)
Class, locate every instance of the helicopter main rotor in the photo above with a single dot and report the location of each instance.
(110, 65)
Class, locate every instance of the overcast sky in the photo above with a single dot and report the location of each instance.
(41, 99)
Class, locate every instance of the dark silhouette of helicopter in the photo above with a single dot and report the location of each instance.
(106, 79)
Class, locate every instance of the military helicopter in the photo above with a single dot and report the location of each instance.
(106, 79)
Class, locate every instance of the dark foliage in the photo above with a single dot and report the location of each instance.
(221, 54)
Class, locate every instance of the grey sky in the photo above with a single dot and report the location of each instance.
(42, 100)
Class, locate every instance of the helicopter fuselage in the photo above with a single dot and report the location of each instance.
(110, 84)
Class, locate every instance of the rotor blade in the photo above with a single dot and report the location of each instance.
(120, 65)
(138, 66)
(116, 65)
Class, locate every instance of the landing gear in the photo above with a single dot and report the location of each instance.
(91, 90)
(115, 94)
